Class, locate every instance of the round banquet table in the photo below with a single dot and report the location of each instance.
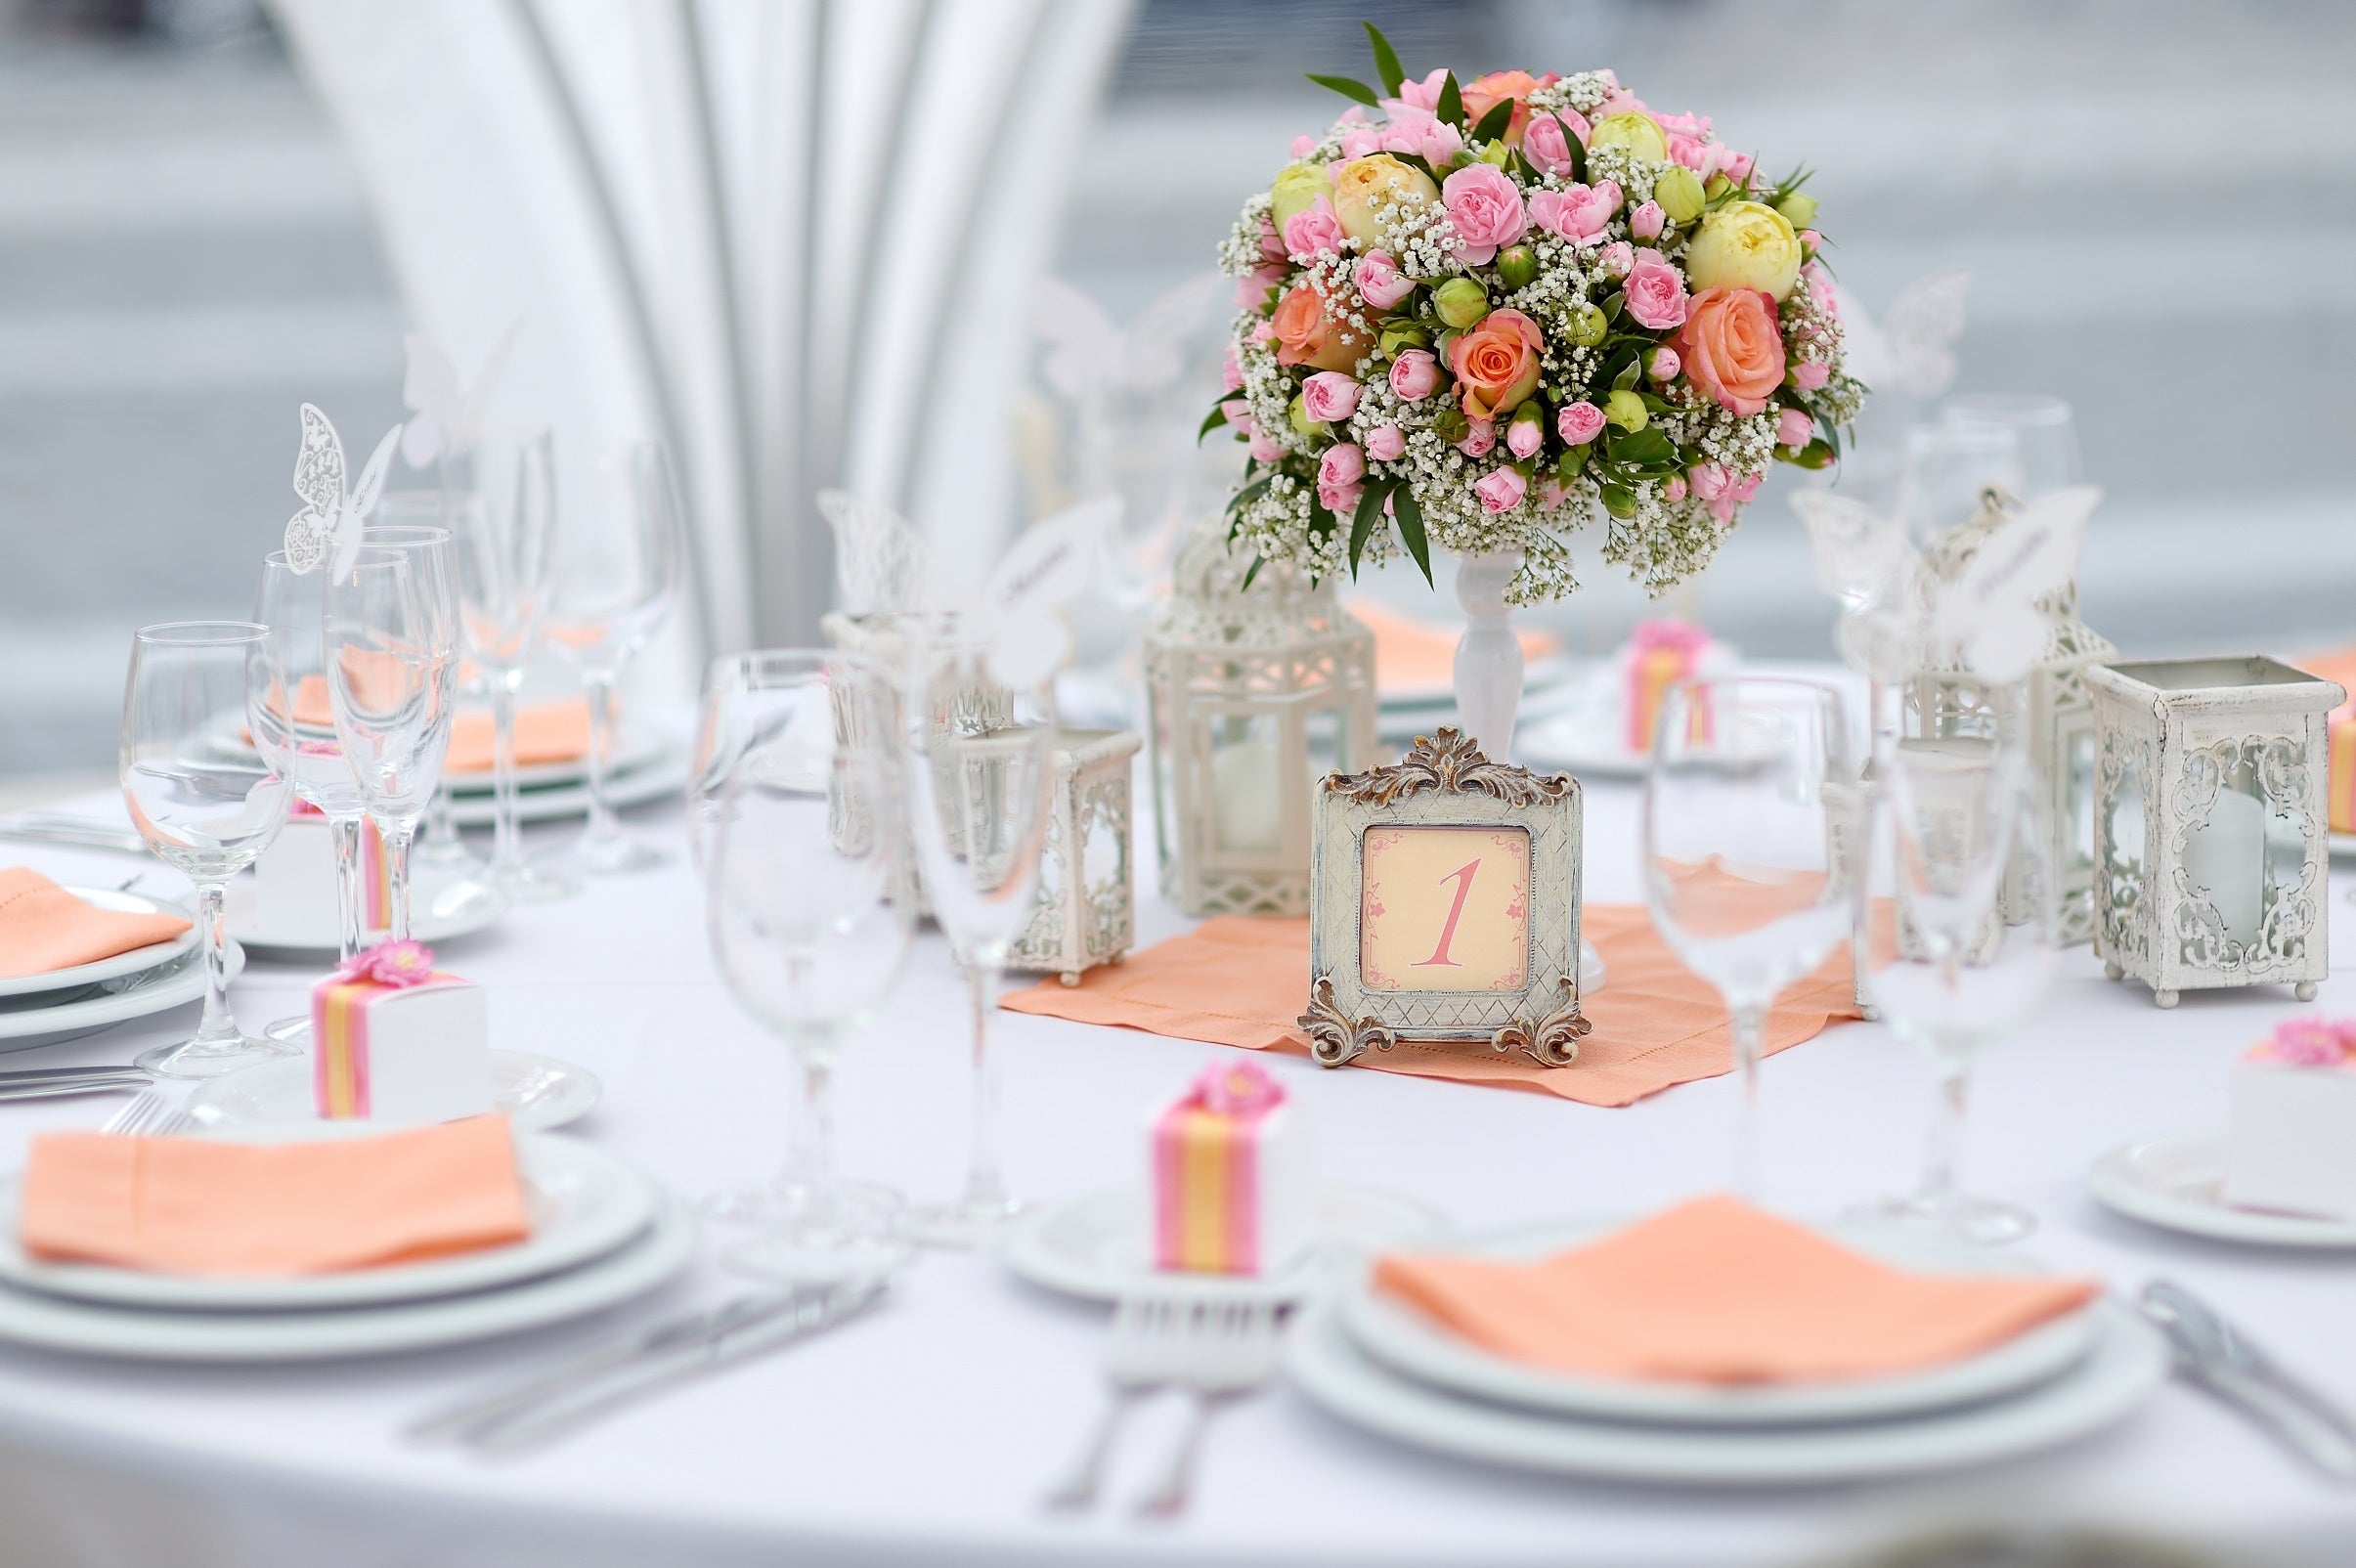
(926, 1431)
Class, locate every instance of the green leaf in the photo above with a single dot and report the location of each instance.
(1613, 304)
(1410, 518)
(1529, 170)
(1321, 518)
(1235, 500)
(1452, 112)
(1493, 124)
(1624, 379)
(1370, 512)
(1253, 569)
(1386, 59)
(1348, 89)
(1212, 421)
(1647, 446)
(1417, 160)
(1619, 501)
(1577, 151)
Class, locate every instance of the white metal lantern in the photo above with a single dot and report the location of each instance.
(1255, 693)
(2211, 823)
(1087, 914)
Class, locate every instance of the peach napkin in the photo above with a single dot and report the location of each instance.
(191, 1206)
(44, 928)
(1412, 654)
(545, 732)
(1239, 980)
(1717, 1292)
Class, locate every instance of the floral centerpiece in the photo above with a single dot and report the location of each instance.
(1482, 316)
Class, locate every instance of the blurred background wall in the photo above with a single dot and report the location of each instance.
(2155, 201)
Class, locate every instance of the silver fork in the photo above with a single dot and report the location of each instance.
(1230, 1351)
(149, 1115)
(1138, 1359)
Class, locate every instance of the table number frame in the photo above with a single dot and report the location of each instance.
(1445, 781)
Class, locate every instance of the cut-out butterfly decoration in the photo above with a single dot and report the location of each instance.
(446, 414)
(1911, 348)
(331, 516)
(1978, 600)
(1088, 356)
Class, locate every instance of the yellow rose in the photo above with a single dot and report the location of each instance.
(1296, 190)
(1745, 245)
(1640, 134)
(1378, 177)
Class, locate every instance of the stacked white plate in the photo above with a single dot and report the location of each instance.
(1382, 1365)
(67, 1003)
(1404, 712)
(644, 766)
(602, 1234)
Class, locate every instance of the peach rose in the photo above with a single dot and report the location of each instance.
(1732, 347)
(1484, 93)
(1306, 335)
(1497, 363)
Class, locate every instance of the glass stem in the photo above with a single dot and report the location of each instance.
(397, 836)
(1947, 1135)
(441, 828)
(506, 846)
(1750, 1034)
(217, 1026)
(351, 920)
(984, 1183)
(602, 829)
(810, 1163)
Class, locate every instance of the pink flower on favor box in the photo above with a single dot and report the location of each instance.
(1648, 221)
(1502, 489)
(1544, 145)
(1618, 259)
(1655, 294)
(1578, 213)
(1484, 205)
(1379, 282)
(1479, 441)
(1662, 364)
(1386, 443)
(1579, 424)
(1314, 230)
(1338, 473)
(2308, 1043)
(1231, 375)
(1238, 1089)
(1330, 396)
(1264, 447)
(1809, 374)
(1415, 374)
(392, 963)
(1794, 428)
(1523, 438)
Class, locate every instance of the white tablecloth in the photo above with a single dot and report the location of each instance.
(926, 1432)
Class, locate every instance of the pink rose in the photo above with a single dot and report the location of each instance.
(1331, 396)
(1579, 424)
(1810, 238)
(1264, 333)
(1684, 124)
(1253, 287)
(1264, 448)
(1426, 94)
(1656, 295)
(1731, 492)
(1794, 428)
(1338, 473)
(1618, 258)
(1479, 440)
(1272, 243)
(1543, 143)
(1578, 213)
(1239, 416)
(1231, 375)
(1523, 438)
(1708, 480)
(1484, 205)
(1738, 166)
(1418, 133)
(1809, 374)
(1648, 221)
(1662, 364)
(1313, 231)
(1415, 374)
(1675, 490)
(1821, 288)
(1386, 443)
(1551, 494)
(1379, 280)
(1502, 489)
(1303, 145)
(1732, 346)
(1621, 102)
(1497, 363)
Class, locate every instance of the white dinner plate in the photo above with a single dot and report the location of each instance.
(538, 1093)
(584, 1202)
(136, 961)
(667, 774)
(2178, 1184)
(1407, 1341)
(1539, 675)
(53, 1323)
(2126, 1363)
(1096, 1247)
(635, 746)
(442, 912)
(46, 1018)
(1583, 741)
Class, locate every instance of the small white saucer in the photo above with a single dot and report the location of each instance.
(538, 1093)
(2178, 1184)
(1094, 1246)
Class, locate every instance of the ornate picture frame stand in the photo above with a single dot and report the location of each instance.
(1444, 907)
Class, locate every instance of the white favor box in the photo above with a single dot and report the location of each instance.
(294, 879)
(1282, 1201)
(414, 1055)
(2293, 1140)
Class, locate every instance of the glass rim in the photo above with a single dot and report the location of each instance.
(417, 534)
(2006, 408)
(201, 633)
(816, 657)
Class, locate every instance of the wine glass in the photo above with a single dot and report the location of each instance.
(2042, 429)
(1958, 940)
(1749, 782)
(808, 930)
(746, 698)
(616, 573)
(204, 805)
(440, 847)
(391, 676)
(503, 508)
(981, 769)
(1945, 470)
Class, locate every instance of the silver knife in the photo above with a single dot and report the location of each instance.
(2212, 1354)
(93, 1069)
(77, 834)
(58, 1088)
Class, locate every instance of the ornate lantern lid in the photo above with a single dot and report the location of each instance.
(2250, 684)
(1211, 604)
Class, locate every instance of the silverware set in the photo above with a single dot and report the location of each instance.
(1216, 1352)
(150, 1115)
(2214, 1356)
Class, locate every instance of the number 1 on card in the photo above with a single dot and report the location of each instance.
(1463, 877)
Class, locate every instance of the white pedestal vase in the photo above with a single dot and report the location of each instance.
(1488, 681)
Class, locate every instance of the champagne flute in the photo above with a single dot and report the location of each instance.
(746, 698)
(440, 847)
(204, 808)
(981, 769)
(2042, 429)
(809, 933)
(1959, 939)
(1749, 780)
(1947, 468)
(616, 571)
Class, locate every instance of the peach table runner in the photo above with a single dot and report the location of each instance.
(1717, 1292)
(1238, 980)
(43, 928)
(192, 1206)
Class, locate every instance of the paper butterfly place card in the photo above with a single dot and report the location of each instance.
(332, 516)
(1444, 907)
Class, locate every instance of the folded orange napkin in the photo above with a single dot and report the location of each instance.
(545, 732)
(1717, 1292)
(1419, 655)
(191, 1206)
(44, 928)
(1239, 980)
